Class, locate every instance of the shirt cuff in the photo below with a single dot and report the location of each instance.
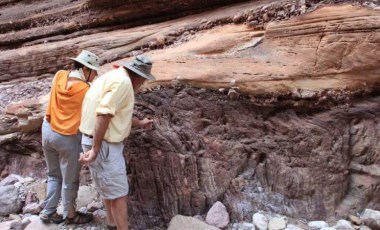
(105, 111)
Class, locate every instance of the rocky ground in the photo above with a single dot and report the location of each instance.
(18, 193)
(269, 107)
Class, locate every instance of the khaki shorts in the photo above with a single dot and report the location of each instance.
(108, 170)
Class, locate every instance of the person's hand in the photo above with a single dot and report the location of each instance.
(88, 157)
(146, 123)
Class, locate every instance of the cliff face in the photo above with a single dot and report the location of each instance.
(274, 114)
(48, 22)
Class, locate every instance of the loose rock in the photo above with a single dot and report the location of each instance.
(371, 218)
(260, 221)
(218, 215)
(178, 222)
(10, 201)
(317, 224)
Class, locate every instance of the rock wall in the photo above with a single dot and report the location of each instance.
(44, 23)
(207, 147)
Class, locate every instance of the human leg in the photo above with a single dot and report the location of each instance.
(70, 149)
(54, 182)
(119, 211)
(110, 219)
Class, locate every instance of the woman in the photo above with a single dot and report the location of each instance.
(61, 139)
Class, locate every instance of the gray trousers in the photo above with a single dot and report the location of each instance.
(62, 155)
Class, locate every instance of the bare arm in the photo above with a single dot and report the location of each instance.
(101, 125)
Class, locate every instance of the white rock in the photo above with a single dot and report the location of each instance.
(6, 224)
(371, 218)
(277, 223)
(292, 227)
(20, 225)
(60, 208)
(317, 224)
(218, 216)
(18, 184)
(246, 226)
(189, 223)
(328, 228)
(344, 224)
(86, 195)
(36, 223)
(260, 221)
(83, 210)
(235, 226)
(363, 227)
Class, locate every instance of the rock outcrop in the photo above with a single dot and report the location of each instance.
(85, 24)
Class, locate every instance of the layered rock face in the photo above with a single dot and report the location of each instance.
(41, 22)
(206, 147)
(283, 119)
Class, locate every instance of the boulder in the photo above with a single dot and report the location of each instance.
(371, 218)
(179, 222)
(247, 226)
(317, 224)
(36, 223)
(86, 195)
(277, 223)
(260, 221)
(293, 227)
(32, 208)
(218, 216)
(344, 224)
(20, 225)
(10, 201)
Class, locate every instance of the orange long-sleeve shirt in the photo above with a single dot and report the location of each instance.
(65, 105)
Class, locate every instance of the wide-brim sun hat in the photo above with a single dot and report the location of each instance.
(141, 65)
(88, 59)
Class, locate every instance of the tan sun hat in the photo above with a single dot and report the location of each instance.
(141, 66)
(88, 59)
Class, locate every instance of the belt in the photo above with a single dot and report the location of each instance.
(92, 137)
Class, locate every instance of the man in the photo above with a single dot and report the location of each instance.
(61, 140)
(106, 122)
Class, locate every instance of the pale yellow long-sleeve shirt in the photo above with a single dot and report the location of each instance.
(112, 93)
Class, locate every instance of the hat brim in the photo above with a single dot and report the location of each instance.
(86, 64)
(129, 66)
